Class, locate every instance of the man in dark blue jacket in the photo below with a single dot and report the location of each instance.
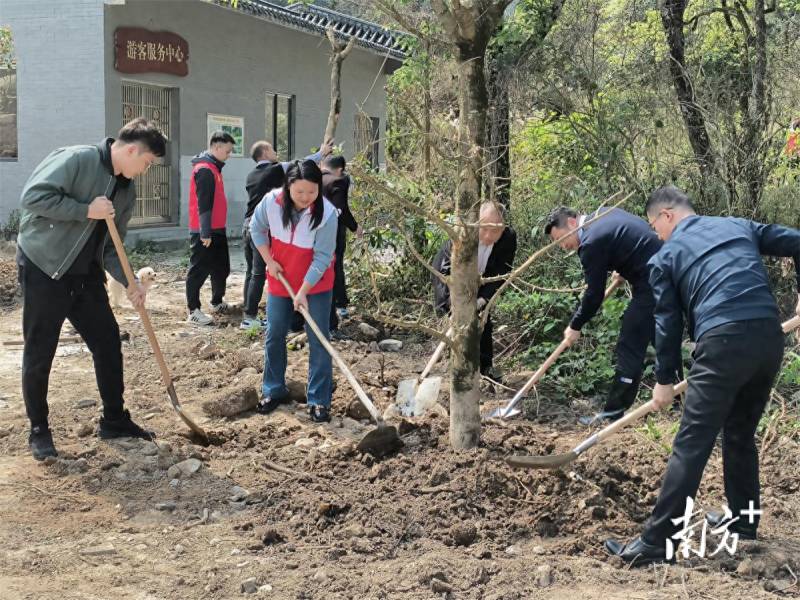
(620, 242)
(710, 270)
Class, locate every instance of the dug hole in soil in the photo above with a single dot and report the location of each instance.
(279, 507)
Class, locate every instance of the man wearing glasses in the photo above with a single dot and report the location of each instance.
(63, 251)
(710, 271)
(616, 242)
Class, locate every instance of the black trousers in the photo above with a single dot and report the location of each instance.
(254, 278)
(340, 299)
(729, 385)
(213, 261)
(46, 304)
(487, 346)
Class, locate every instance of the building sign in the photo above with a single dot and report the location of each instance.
(231, 125)
(138, 50)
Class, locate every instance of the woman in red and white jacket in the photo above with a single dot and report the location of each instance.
(294, 230)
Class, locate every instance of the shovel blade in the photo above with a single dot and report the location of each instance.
(381, 441)
(176, 405)
(427, 395)
(406, 393)
(554, 461)
(498, 413)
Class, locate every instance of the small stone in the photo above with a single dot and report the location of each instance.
(440, 587)
(463, 534)
(512, 551)
(175, 483)
(214, 542)
(207, 351)
(248, 371)
(265, 589)
(368, 331)
(320, 576)
(140, 547)
(179, 549)
(373, 347)
(166, 506)
(102, 550)
(537, 550)
(305, 443)
(85, 430)
(356, 410)
(249, 586)
(184, 469)
(390, 345)
(238, 494)
(85, 403)
(544, 576)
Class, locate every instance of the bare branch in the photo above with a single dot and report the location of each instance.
(421, 259)
(416, 326)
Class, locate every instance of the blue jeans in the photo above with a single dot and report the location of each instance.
(320, 370)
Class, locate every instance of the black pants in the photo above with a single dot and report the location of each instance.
(82, 300)
(487, 346)
(214, 261)
(340, 299)
(254, 277)
(729, 386)
(637, 331)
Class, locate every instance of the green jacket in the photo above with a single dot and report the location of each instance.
(54, 225)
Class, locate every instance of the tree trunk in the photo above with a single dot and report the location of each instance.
(498, 180)
(469, 27)
(672, 13)
(339, 52)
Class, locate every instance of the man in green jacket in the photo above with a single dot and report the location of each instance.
(63, 251)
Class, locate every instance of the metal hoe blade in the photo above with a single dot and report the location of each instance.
(554, 461)
(381, 441)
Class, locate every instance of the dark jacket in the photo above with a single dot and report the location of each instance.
(618, 241)
(205, 185)
(500, 262)
(711, 271)
(336, 190)
(264, 178)
(54, 227)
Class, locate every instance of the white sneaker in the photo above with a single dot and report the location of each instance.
(198, 317)
(220, 309)
(248, 322)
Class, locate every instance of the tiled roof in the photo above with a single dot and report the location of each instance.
(317, 19)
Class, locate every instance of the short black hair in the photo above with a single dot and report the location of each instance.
(558, 218)
(335, 161)
(146, 133)
(257, 150)
(667, 196)
(221, 137)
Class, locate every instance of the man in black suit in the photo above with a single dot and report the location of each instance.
(497, 246)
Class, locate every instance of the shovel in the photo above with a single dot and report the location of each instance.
(510, 410)
(151, 336)
(384, 439)
(415, 396)
(554, 461)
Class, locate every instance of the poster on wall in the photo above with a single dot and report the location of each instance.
(231, 125)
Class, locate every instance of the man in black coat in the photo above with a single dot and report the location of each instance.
(710, 272)
(336, 188)
(621, 242)
(496, 250)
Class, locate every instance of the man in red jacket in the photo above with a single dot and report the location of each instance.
(208, 213)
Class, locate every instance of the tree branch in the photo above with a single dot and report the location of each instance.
(421, 259)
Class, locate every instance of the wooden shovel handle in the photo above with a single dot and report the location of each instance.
(650, 406)
(148, 326)
(435, 356)
(362, 395)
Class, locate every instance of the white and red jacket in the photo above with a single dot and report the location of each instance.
(292, 246)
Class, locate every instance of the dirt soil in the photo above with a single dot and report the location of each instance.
(279, 507)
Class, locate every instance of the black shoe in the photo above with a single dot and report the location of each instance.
(268, 404)
(637, 553)
(744, 529)
(606, 416)
(122, 427)
(40, 442)
(319, 414)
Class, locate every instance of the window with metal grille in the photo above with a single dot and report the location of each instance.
(279, 118)
(154, 187)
